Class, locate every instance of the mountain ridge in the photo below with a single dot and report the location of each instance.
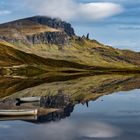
(31, 31)
(53, 39)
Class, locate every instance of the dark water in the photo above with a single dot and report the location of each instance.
(115, 116)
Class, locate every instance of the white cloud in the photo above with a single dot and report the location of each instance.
(2, 126)
(97, 11)
(5, 12)
(80, 128)
(100, 130)
(70, 10)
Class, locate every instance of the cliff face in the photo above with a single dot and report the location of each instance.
(59, 38)
(37, 30)
(54, 23)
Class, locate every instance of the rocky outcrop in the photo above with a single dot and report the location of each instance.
(58, 101)
(55, 116)
(19, 39)
(59, 38)
(54, 23)
(37, 30)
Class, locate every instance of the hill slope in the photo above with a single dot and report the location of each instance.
(52, 43)
(13, 59)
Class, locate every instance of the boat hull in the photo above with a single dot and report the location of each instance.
(29, 99)
(18, 112)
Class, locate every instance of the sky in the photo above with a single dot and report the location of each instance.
(112, 22)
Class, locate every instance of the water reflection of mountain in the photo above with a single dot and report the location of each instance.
(61, 102)
(58, 101)
(80, 88)
(10, 85)
(55, 116)
(64, 94)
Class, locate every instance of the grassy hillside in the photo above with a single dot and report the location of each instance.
(86, 52)
(74, 54)
(74, 59)
(11, 58)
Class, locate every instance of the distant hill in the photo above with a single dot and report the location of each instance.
(52, 45)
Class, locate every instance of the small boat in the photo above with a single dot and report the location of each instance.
(29, 99)
(23, 118)
(26, 112)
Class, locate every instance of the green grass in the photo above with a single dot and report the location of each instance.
(85, 55)
(86, 52)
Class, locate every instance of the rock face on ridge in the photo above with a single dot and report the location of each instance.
(54, 23)
(37, 30)
(59, 38)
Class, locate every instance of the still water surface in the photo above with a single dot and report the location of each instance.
(111, 117)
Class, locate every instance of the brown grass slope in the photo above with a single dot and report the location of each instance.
(18, 29)
(80, 53)
(87, 52)
(11, 57)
